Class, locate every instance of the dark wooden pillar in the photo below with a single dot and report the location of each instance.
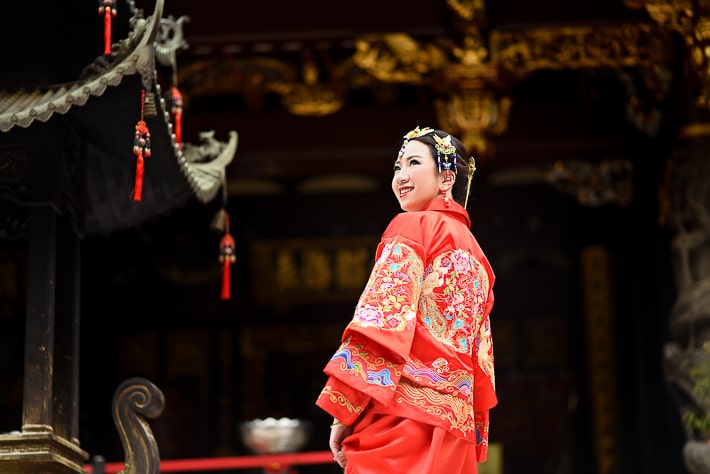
(67, 332)
(48, 442)
(39, 328)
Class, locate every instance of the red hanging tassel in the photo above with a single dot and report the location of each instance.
(141, 148)
(106, 9)
(138, 187)
(177, 116)
(226, 257)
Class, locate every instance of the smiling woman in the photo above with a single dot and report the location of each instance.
(413, 379)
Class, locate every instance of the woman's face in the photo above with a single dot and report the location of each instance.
(416, 180)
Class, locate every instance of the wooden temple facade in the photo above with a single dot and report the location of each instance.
(589, 124)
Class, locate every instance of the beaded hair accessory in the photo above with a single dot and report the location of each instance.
(444, 147)
(417, 132)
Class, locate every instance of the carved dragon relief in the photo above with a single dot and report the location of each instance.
(688, 213)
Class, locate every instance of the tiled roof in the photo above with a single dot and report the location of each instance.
(103, 106)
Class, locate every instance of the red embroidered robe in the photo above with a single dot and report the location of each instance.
(419, 345)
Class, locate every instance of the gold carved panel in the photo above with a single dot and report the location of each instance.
(292, 271)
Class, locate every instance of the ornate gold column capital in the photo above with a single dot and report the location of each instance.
(475, 114)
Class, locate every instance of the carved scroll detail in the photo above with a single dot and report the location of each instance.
(135, 400)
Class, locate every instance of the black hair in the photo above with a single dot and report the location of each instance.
(458, 191)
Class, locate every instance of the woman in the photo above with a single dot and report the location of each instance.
(411, 385)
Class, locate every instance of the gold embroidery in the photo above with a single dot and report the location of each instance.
(444, 406)
(454, 293)
(339, 399)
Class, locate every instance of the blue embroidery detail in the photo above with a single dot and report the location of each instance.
(381, 378)
(479, 439)
(463, 384)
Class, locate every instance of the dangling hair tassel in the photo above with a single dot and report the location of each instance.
(471, 170)
(445, 147)
(141, 148)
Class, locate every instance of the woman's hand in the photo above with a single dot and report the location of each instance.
(338, 432)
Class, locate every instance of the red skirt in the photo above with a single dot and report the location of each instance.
(387, 444)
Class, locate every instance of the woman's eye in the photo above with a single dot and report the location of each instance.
(396, 168)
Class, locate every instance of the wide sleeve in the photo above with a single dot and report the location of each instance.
(375, 344)
(484, 395)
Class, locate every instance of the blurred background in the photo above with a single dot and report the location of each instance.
(574, 112)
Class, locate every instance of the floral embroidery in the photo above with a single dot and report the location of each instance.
(356, 361)
(454, 293)
(395, 282)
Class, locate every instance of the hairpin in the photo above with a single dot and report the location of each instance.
(417, 132)
(471, 170)
(444, 147)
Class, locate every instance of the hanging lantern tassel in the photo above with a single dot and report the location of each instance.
(226, 258)
(106, 9)
(141, 148)
(177, 116)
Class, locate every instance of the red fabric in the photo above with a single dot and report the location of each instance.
(419, 345)
(391, 444)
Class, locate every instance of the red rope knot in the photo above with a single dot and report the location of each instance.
(141, 142)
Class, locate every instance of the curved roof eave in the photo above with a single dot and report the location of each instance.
(135, 55)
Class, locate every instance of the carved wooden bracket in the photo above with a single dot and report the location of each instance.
(135, 400)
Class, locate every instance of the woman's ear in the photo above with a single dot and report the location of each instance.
(448, 178)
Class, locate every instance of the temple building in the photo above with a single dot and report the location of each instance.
(191, 194)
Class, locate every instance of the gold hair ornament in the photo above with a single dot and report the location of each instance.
(416, 132)
(445, 147)
(471, 170)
